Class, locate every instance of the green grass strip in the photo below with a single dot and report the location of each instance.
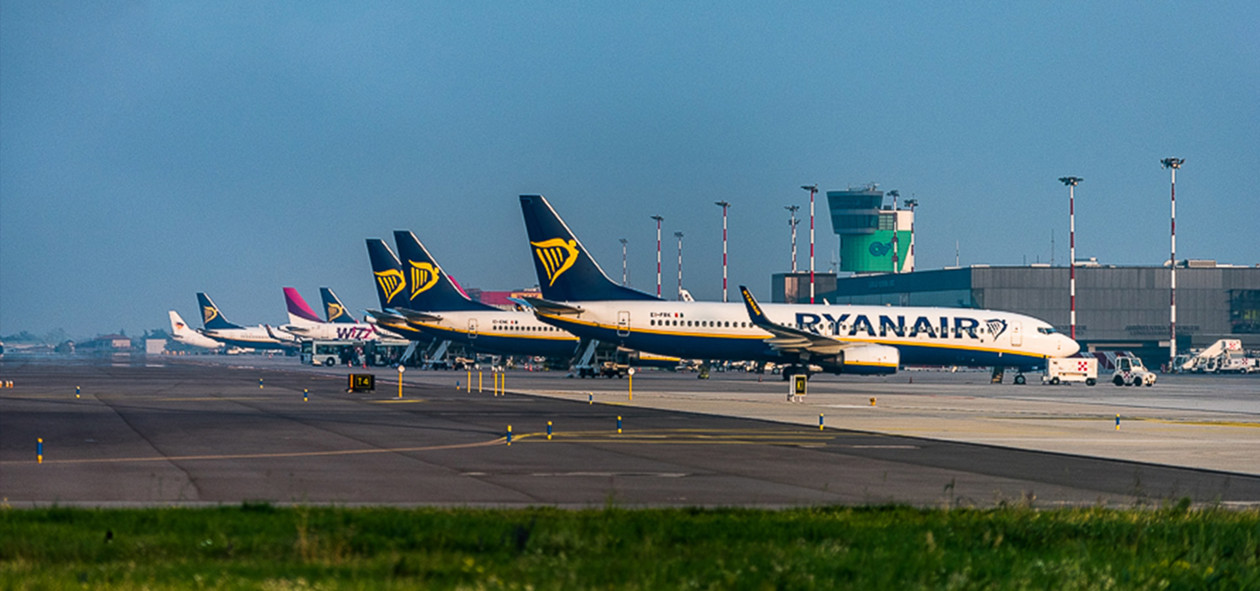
(259, 546)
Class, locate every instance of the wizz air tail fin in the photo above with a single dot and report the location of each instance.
(387, 273)
(211, 317)
(566, 271)
(333, 308)
(432, 290)
(299, 311)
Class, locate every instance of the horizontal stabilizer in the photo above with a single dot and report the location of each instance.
(544, 306)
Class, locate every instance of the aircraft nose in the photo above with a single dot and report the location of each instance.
(1070, 347)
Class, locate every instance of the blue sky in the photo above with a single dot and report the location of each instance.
(152, 150)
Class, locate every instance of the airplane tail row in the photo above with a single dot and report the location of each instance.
(566, 271)
(418, 284)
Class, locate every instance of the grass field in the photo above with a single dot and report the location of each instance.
(266, 547)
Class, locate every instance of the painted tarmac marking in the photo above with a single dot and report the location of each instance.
(265, 456)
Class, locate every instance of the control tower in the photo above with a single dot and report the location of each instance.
(866, 226)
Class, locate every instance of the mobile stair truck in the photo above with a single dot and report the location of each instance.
(1061, 370)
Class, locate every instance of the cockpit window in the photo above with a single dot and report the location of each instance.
(1047, 330)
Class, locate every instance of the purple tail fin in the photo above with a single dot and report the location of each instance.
(298, 307)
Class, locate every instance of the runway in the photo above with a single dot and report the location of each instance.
(193, 431)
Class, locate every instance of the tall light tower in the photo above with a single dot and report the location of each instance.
(1174, 164)
(912, 203)
(895, 194)
(679, 236)
(812, 189)
(1071, 182)
(792, 221)
(724, 205)
(625, 271)
(658, 254)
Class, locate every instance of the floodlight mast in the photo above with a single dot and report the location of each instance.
(1071, 182)
(1173, 164)
(724, 205)
(792, 223)
(625, 271)
(658, 254)
(912, 203)
(679, 235)
(812, 189)
(894, 194)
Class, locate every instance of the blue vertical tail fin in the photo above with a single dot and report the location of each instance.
(432, 289)
(566, 271)
(211, 317)
(387, 273)
(333, 308)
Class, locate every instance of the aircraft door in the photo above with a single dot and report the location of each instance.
(1017, 334)
(623, 323)
(472, 328)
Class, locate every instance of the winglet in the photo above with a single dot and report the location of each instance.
(754, 309)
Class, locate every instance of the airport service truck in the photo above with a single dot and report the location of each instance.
(1071, 369)
(1131, 372)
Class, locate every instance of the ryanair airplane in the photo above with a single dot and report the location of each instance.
(420, 295)
(579, 297)
(234, 335)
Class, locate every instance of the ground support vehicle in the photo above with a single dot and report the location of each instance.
(1071, 369)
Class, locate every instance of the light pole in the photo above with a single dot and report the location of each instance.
(912, 203)
(625, 271)
(792, 223)
(1071, 182)
(679, 235)
(894, 194)
(658, 254)
(812, 189)
(724, 205)
(1174, 164)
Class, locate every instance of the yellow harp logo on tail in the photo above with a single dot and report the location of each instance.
(209, 313)
(335, 311)
(423, 277)
(556, 256)
(391, 282)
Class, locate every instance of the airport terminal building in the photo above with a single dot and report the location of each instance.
(1117, 308)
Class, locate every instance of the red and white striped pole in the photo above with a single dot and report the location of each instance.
(1071, 182)
(792, 224)
(812, 189)
(1174, 164)
(658, 254)
(724, 205)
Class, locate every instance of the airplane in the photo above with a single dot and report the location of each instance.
(234, 335)
(182, 333)
(333, 309)
(432, 302)
(306, 324)
(579, 297)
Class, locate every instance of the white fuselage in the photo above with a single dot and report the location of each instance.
(922, 335)
(333, 331)
(501, 331)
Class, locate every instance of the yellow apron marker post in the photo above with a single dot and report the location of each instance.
(260, 383)
(590, 398)
(1117, 422)
(820, 421)
(630, 373)
(479, 381)
(76, 392)
(503, 384)
(548, 430)
(618, 423)
(470, 381)
(509, 436)
(39, 450)
(872, 401)
(305, 395)
(401, 369)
